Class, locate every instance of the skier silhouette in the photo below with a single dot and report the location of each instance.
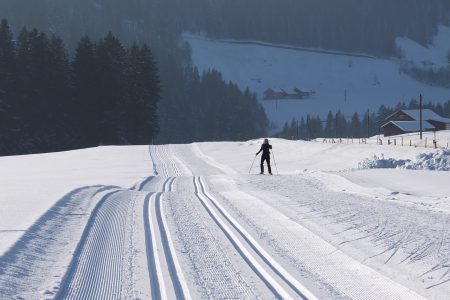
(265, 148)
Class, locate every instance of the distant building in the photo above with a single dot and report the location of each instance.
(407, 121)
(297, 94)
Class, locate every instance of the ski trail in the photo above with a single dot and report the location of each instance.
(315, 257)
(222, 278)
(215, 267)
(166, 276)
(296, 288)
(165, 272)
(152, 259)
(105, 264)
(36, 260)
(322, 266)
(97, 269)
(176, 275)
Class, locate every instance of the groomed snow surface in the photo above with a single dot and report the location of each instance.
(191, 222)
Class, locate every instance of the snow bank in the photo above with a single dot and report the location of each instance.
(439, 161)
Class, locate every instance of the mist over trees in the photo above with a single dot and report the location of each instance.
(351, 25)
(208, 109)
(369, 26)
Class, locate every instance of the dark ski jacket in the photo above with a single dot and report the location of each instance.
(265, 148)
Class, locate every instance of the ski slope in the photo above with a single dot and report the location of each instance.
(350, 82)
(191, 222)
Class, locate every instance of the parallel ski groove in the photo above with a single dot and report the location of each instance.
(177, 286)
(151, 259)
(298, 288)
(160, 250)
(270, 282)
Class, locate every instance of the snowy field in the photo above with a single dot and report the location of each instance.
(31, 184)
(342, 81)
(191, 222)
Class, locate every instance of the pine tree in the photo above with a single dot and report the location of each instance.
(26, 108)
(355, 126)
(59, 96)
(341, 125)
(143, 96)
(329, 130)
(7, 82)
(86, 112)
(112, 86)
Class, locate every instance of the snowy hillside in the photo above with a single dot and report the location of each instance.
(437, 55)
(345, 81)
(190, 221)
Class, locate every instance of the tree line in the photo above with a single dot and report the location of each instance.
(351, 25)
(105, 94)
(429, 75)
(338, 125)
(206, 108)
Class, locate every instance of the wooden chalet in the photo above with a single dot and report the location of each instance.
(408, 121)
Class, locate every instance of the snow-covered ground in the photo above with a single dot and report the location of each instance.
(342, 81)
(191, 221)
(31, 184)
(436, 55)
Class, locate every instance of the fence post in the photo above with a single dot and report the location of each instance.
(402, 141)
(395, 142)
(426, 142)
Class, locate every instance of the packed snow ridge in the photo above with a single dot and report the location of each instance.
(439, 161)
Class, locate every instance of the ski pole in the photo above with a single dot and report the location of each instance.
(252, 164)
(275, 162)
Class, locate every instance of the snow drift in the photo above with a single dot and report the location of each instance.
(439, 161)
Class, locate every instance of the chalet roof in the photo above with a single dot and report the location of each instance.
(427, 114)
(411, 126)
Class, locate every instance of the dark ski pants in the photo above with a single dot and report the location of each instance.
(267, 159)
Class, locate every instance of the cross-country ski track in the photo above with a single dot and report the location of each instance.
(193, 229)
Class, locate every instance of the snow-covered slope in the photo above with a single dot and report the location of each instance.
(345, 81)
(436, 55)
(191, 222)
